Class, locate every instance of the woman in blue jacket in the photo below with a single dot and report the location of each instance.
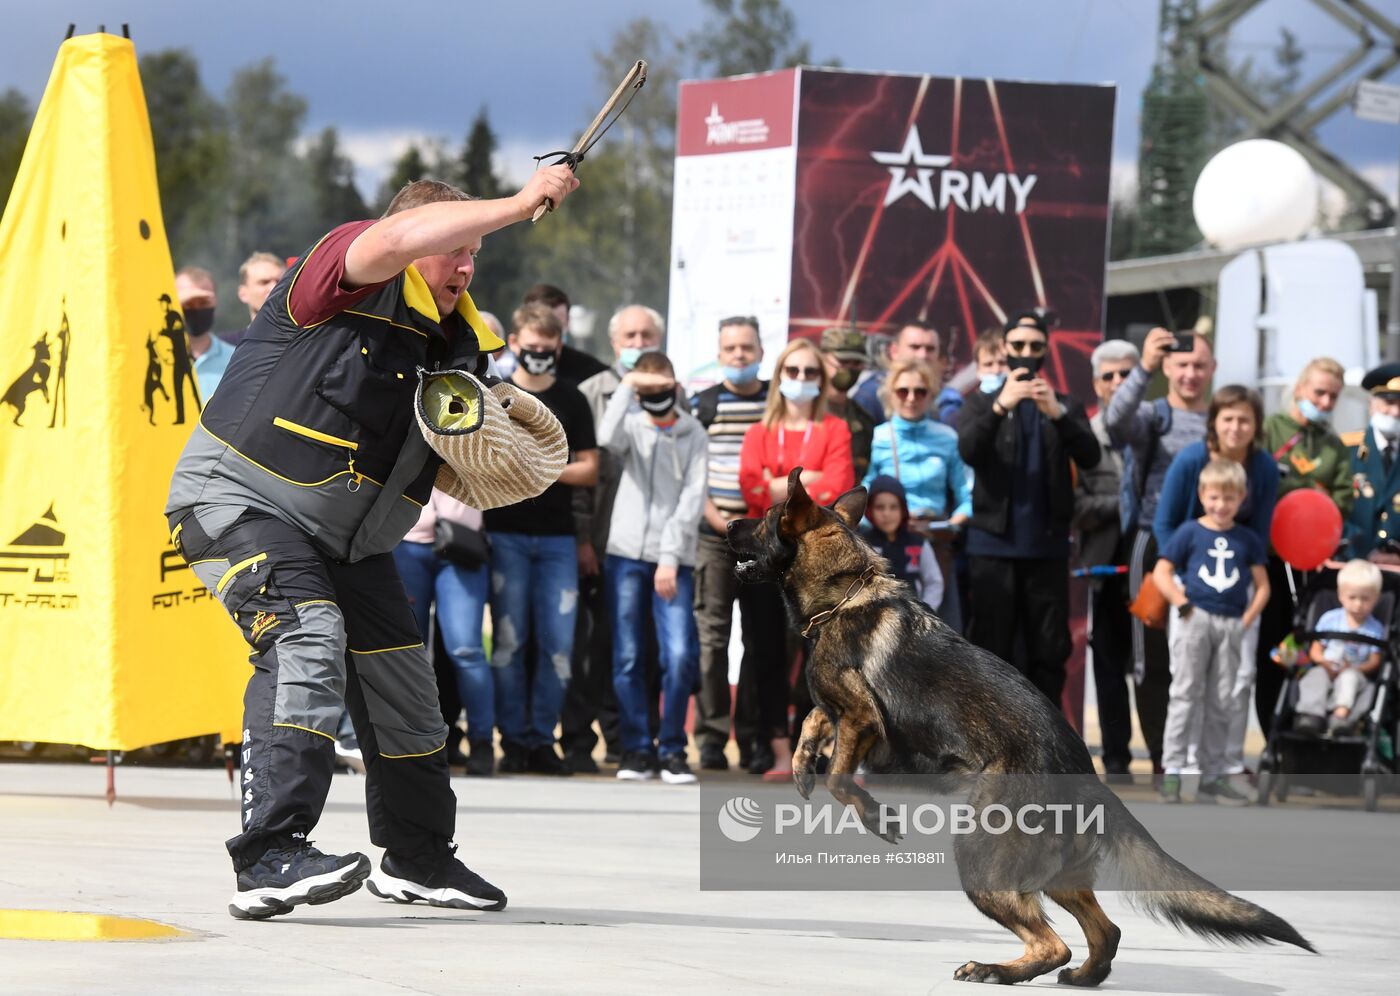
(921, 453)
(1234, 431)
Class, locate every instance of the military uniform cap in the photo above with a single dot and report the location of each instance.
(1384, 379)
(845, 344)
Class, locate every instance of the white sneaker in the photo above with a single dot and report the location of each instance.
(675, 771)
(636, 766)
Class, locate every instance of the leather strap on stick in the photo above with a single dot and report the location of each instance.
(633, 81)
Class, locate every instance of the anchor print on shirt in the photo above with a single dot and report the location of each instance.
(1219, 580)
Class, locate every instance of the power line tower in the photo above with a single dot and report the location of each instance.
(1295, 118)
(1173, 149)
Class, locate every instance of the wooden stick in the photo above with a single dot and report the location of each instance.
(636, 76)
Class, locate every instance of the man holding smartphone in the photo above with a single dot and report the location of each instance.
(1019, 441)
(1151, 434)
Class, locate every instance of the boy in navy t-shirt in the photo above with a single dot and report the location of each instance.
(1205, 571)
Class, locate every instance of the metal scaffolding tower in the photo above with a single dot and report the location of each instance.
(1295, 119)
(1173, 149)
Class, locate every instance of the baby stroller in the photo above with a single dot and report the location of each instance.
(1291, 758)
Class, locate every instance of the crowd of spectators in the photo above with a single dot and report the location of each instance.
(611, 598)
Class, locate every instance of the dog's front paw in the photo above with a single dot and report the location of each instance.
(805, 779)
(883, 822)
(975, 971)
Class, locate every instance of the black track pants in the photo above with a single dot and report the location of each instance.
(325, 636)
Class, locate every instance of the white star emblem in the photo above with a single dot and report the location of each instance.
(899, 164)
(715, 116)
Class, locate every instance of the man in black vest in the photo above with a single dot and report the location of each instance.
(295, 486)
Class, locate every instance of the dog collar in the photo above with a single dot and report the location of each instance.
(855, 589)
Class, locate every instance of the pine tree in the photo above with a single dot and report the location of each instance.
(475, 172)
(410, 166)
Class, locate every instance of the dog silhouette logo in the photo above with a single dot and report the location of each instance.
(740, 819)
(37, 376)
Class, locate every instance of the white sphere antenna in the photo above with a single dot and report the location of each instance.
(1255, 192)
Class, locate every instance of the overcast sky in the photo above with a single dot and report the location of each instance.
(386, 73)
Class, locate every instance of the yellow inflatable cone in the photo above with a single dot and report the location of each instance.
(106, 637)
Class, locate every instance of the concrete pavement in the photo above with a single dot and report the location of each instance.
(603, 884)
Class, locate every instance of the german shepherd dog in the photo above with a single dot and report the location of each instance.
(901, 692)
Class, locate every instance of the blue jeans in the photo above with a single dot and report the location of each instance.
(630, 594)
(460, 595)
(534, 592)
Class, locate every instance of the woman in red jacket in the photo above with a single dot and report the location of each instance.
(795, 431)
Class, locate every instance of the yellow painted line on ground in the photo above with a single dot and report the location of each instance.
(51, 925)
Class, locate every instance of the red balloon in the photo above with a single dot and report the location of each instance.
(1307, 528)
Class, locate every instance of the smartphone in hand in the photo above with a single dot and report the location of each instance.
(1185, 343)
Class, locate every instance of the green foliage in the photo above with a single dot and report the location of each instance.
(410, 166)
(474, 171)
(15, 117)
(331, 176)
(267, 181)
(236, 175)
(190, 132)
(749, 36)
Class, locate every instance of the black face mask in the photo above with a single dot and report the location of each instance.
(199, 320)
(538, 361)
(842, 379)
(659, 403)
(1031, 363)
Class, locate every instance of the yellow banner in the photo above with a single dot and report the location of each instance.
(106, 637)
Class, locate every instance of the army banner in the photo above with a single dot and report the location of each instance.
(106, 637)
(809, 198)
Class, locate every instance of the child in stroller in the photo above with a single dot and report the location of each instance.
(1362, 737)
(1341, 680)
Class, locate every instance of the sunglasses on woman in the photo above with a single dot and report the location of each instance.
(802, 373)
(1031, 347)
(904, 393)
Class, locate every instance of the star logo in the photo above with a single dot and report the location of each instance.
(715, 118)
(910, 159)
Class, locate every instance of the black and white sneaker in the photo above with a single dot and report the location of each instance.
(438, 880)
(290, 876)
(636, 766)
(674, 771)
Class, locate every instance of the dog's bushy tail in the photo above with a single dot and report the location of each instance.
(1170, 891)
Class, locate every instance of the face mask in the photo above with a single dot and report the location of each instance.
(199, 320)
(1031, 363)
(1312, 413)
(1386, 425)
(993, 383)
(659, 403)
(842, 379)
(799, 390)
(538, 361)
(739, 376)
(627, 358)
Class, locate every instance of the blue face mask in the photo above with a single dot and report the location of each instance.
(627, 358)
(993, 383)
(739, 376)
(800, 390)
(1312, 413)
